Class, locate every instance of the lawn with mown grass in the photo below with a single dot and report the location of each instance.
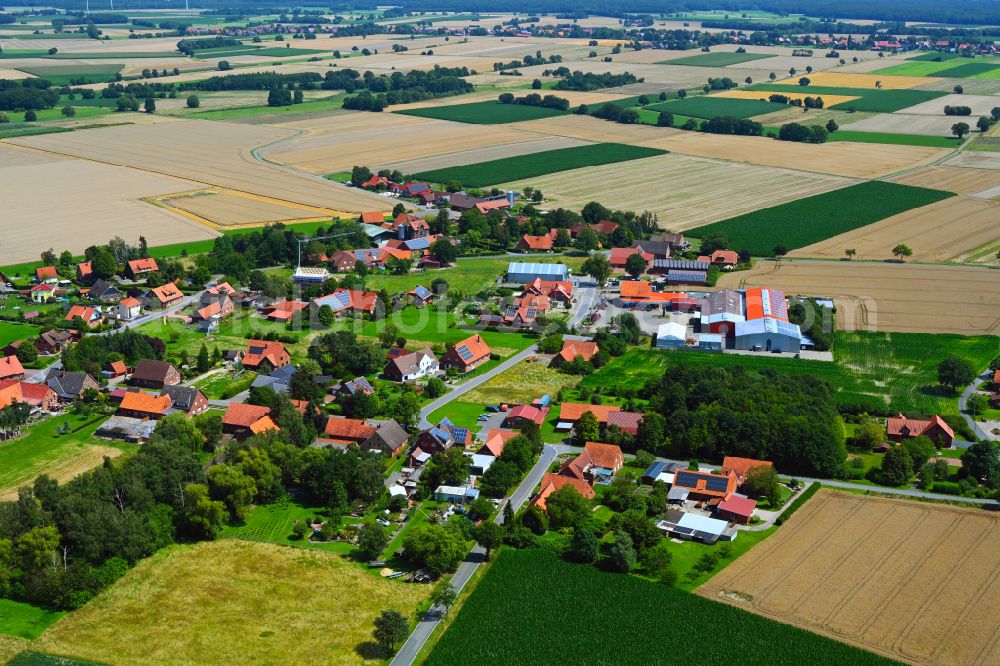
(868, 99)
(238, 602)
(707, 106)
(522, 384)
(469, 275)
(812, 219)
(895, 139)
(42, 448)
(12, 330)
(526, 593)
(462, 414)
(532, 165)
(484, 113)
(24, 620)
(720, 59)
(897, 370)
(273, 523)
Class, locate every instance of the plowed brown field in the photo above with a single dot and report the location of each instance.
(916, 582)
(906, 298)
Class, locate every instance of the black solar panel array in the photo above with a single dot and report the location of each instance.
(717, 484)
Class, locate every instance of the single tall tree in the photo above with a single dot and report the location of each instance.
(390, 628)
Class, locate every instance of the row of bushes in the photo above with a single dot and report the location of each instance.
(534, 99)
(795, 505)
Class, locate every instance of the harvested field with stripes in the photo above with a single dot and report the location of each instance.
(828, 100)
(690, 191)
(847, 80)
(361, 138)
(942, 231)
(915, 582)
(981, 182)
(208, 153)
(227, 208)
(95, 203)
(880, 296)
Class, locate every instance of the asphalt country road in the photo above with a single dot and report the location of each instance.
(432, 618)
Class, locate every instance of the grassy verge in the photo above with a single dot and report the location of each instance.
(24, 620)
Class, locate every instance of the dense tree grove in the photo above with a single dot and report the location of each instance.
(94, 352)
(789, 419)
(589, 81)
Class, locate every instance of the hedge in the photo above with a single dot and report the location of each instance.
(799, 501)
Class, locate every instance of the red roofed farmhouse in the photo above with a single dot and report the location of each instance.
(467, 355)
(260, 353)
(138, 267)
(900, 428)
(242, 420)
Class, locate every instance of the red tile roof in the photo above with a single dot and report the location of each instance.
(87, 314)
(528, 413)
(619, 255)
(536, 242)
(167, 292)
(284, 310)
(243, 415)
(476, 345)
(35, 394)
(10, 366)
(738, 505)
(341, 429)
(572, 411)
(605, 455)
(552, 482)
(894, 426)
(496, 439)
(372, 217)
(118, 367)
(627, 421)
(84, 269)
(147, 265)
(259, 351)
(129, 302)
(46, 273)
(741, 466)
(138, 401)
(573, 348)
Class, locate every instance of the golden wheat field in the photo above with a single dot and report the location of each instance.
(227, 208)
(849, 80)
(685, 192)
(233, 602)
(915, 582)
(209, 153)
(962, 180)
(939, 232)
(906, 298)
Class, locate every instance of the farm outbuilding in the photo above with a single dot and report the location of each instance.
(528, 272)
(768, 334)
(671, 335)
(710, 342)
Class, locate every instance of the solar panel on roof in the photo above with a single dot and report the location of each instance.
(465, 353)
(511, 311)
(716, 484)
(460, 434)
(532, 313)
(683, 530)
(686, 479)
(440, 435)
(422, 292)
(418, 244)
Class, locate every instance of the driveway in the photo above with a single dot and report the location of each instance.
(963, 403)
(429, 622)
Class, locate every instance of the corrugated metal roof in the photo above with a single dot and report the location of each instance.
(768, 325)
(536, 269)
(681, 264)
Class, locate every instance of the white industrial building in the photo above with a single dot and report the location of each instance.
(527, 272)
(671, 335)
(768, 334)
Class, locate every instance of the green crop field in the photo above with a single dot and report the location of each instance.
(935, 56)
(878, 101)
(30, 130)
(916, 68)
(706, 106)
(538, 164)
(809, 220)
(11, 331)
(484, 113)
(25, 620)
(468, 275)
(898, 370)
(716, 59)
(331, 103)
(528, 593)
(895, 139)
(64, 74)
(982, 70)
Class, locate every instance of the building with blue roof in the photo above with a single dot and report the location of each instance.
(524, 273)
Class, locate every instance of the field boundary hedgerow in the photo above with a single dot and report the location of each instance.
(813, 219)
(517, 608)
(797, 503)
(533, 165)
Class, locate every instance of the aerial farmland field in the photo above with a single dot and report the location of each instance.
(540, 164)
(879, 296)
(710, 106)
(257, 601)
(527, 592)
(681, 199)
(484, 113)
(820, 217)
(941, 231)
(823, 571)
(719, 59)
